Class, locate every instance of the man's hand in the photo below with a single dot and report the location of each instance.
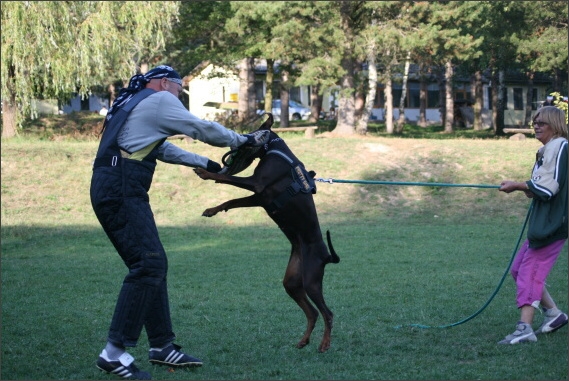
(212, 166)
(257, 138)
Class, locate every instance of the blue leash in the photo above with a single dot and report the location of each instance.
(331, 181)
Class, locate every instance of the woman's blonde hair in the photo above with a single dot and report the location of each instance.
(555, 118)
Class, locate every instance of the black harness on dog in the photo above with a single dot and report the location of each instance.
(301, 181)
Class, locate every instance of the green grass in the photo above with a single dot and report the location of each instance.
(409, 255)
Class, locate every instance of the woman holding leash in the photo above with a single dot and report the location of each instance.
(547, 227)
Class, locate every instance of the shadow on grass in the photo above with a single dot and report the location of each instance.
(59, 285)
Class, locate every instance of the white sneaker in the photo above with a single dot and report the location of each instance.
(523, 333)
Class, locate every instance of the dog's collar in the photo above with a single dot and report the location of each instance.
(269, 145)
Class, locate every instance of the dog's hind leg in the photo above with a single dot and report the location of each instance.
(292, 283)
(313, 276)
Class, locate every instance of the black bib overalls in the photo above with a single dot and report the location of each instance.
(119, 196)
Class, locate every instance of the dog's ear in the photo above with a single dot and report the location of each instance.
(268, 123)
(312, 173)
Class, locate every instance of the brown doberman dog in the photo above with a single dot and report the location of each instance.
(283, 187)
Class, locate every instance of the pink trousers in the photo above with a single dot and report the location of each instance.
(530, 269)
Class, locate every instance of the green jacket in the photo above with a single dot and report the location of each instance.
(548, 220)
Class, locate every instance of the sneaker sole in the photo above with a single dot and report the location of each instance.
(181, 365)
(118, 374)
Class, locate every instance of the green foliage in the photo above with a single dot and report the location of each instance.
(542, 43)
(312, 30)
(561, 104)
(53, 48)
(197, 35)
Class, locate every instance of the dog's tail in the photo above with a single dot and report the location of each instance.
(335, 257)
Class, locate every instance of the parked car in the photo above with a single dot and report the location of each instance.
(296, 111)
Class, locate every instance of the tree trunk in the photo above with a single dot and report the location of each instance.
(478, 99)
(315, 103)
(494, 91)
(401, 119)
(359, 104)
(442, 96)
(361, 127)
(346, 101)
(246, 104)
(500, 106)
(449, 101)
(529, 99)
(9, 118)
(269, 81)
(9, 107)
(243, 93)
(388, 95)
(422, 100)
(285, 117)
(557, 81)
(251, 94)
(112, 93)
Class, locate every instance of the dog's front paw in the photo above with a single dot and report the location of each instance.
(209, 212)
(202, 173)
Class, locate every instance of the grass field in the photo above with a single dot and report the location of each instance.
(409, 255)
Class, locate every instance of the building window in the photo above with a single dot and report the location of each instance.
(396, 92)
(260, 91)
(433, 96)
(534, 99)
(295, 94)
(462, 92)
(413, 94)
(518, 98)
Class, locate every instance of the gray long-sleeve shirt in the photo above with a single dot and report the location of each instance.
(161, 115)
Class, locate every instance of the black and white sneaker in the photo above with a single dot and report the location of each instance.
(552, 323)
(123, 367)
(523, 334)
(171, 356)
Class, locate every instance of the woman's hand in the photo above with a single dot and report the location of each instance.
(509, 186)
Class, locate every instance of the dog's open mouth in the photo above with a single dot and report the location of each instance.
(239, 159)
